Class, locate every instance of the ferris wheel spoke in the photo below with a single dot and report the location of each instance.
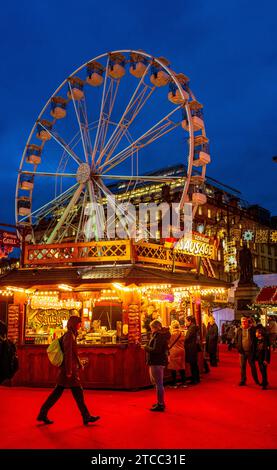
(63, 144)
(66, 213)
(107, 112)
(161, 128)
(57, 200)
(81, 222)
(96, 217)
(95, 146)
(78, 116)
(43, 173)
(124, 220)
(158, 179)
(132, 109)
(86, 127)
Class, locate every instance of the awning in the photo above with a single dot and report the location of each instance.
(129, 274)
(267, 296)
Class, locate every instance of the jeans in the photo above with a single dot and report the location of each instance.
(157, 378)
(54, 396)
(244, 358)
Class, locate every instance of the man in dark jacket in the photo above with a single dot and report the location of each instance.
(68, 375)
(211, 341)
(157, 359)
(191, 349)
(246, 344)
(262, 353)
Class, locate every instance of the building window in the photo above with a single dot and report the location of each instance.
(219, 255)
(263, 263)
(200, 210)
(262, 248)
(209, 213)
(270, 265)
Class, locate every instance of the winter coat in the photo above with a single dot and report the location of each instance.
(191, 348)
(263, 350)
(253, 341)
(212, 338)
(177, 351)
(71, 363)
(157, 348)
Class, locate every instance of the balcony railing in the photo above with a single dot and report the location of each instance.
(105, 251)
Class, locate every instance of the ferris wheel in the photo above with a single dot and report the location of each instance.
(98, 139)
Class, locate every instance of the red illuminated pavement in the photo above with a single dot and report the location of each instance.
(216, 414)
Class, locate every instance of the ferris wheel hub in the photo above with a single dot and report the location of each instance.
(83, 173)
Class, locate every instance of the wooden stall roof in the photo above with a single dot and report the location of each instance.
(128, 274)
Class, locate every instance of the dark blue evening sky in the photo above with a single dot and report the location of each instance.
(228, 49)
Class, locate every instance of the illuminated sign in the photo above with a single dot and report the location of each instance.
(196, 245)
(9, 239)
(230, 257)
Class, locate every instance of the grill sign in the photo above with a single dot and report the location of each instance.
(9, 239)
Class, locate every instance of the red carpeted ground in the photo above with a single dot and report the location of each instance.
(213, 415)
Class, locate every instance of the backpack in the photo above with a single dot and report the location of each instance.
(55, 353)
(8, 360)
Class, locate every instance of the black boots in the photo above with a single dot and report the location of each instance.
(90, 419)
(157, 407)
(44, 419)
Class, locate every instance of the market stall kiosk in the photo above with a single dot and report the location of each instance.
(114, 303)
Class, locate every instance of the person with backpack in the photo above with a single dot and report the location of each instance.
(68, 375)
(8, 355)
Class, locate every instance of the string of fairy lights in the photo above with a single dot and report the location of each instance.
(50, 299)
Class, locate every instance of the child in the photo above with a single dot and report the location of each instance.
(262, 353)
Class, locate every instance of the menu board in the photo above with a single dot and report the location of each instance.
(13, 322)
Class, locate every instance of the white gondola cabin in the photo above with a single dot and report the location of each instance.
(174, 95)
(117, 66)
(33, 154)
(24, 206)
(76, 88)
(196, 115)
(138, 64)
(201, 151)
(42, 130)
(95, 72)
(159, 77)
(26, 182)
(58, 107)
